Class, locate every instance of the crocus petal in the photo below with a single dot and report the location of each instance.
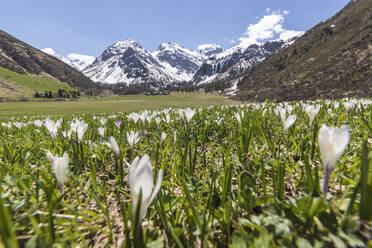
(50, 157)
(289, 122)
(141, 180)
(157, 186)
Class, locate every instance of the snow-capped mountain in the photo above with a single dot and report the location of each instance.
(128, 62)
(183, 63)
(51, 52)
(77, 61)
(80, 61)
(235, 60)
(208, 50)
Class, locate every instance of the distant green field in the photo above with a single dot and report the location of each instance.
(114, 104)
(34, 83)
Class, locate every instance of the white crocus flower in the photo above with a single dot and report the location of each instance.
(186, 114)
(60, 168)
(157, 120)
(103, 121)
(52, 127)
(312, 111)
(81, 129)
(264, 112)
(101, 131)
(38, 123)
(182, 114)
(66, 134)
(163, 137)
(289, 122)
(189, 113)
(6, 125)
(167, 118)
(141, 180)
(239, 116)
(332, 143)
(113, 145)
(348, 107)
(133, 138)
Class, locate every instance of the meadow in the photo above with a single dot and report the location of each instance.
(293, 174)
(112, 104)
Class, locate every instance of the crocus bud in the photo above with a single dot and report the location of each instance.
(133, 138)
(312, 111)
(101, 131)
(141, 180)
(239, 116)
(287, 122)
(50, 157)
(60, 168)
(113, 146)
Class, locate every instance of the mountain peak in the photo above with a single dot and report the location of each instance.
(207, 50)
(126, 43)
(169, 45)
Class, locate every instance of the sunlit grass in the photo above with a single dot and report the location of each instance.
(32, 82)
(113, 104)
(232, 176)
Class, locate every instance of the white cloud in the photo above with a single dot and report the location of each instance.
(232, 41)
(268, 9)
(268, 27)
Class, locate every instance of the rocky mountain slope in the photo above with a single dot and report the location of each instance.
(232, 62)
(333, 59)
(22, 58)
(180, 61)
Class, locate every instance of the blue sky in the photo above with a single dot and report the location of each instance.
(89, 26)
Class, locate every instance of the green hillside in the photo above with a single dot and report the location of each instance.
(15, 86)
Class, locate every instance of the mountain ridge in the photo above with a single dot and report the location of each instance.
(129, 63)
(331, 60)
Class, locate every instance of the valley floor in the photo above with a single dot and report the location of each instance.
(113, 104)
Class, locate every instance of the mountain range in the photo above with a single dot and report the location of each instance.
(127, 62)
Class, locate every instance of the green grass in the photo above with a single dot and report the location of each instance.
(114, 104)
(227, 181)
(33, 82)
